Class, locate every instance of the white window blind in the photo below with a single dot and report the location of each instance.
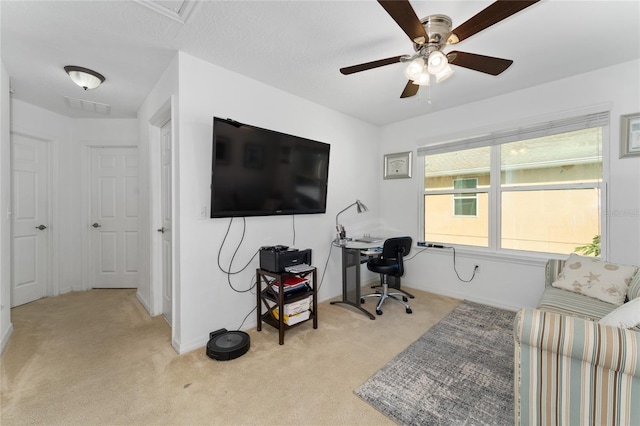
(552, 127)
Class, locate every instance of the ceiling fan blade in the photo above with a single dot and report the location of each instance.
(404, 15)
(473, 61)
(493, 14)
(409, 90)
(369, 65)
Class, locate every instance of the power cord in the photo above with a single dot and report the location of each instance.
(411, 257)
(324, 270)
(245, 318)
(229, 272)
(455, 269)
(475, 268)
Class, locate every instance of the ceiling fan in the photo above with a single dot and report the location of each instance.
(431, 34)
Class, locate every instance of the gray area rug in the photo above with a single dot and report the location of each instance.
(458, 372)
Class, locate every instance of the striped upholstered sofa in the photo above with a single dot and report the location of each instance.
(570, 369)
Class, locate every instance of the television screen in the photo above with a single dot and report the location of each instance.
(260, 172)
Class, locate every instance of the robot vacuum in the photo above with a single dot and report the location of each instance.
(224, 345)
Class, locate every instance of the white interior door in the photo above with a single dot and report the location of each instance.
(166, 221)
(30, 219)
(114, 217)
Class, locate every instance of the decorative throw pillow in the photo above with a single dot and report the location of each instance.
(596, 278)
(634, 287)
(624, 316)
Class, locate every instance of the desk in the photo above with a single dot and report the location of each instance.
(352, 258)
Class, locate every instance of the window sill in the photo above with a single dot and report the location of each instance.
(507, 256)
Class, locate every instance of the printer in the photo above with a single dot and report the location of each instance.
(278, 258)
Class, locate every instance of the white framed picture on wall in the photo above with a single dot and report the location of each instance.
(629, 135)
(397, 165)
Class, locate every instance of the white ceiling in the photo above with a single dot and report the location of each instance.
(298, 47)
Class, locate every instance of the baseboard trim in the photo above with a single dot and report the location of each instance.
(176, 346)
(481, 300)
(6, 337)
(183, 349)
(143, 302)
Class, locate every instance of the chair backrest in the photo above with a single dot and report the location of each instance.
(397, 248)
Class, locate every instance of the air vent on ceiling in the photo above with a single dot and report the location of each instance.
(178, 10)
(89, 106)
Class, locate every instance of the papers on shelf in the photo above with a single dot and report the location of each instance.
(290, 284)
(297, 307)
(293, 319)
(297, 269)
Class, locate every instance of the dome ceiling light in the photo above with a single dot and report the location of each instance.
(84, 77)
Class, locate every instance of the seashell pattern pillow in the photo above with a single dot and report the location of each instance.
(596, 278)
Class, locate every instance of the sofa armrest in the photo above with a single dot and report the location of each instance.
(573, 371)
(552, 270)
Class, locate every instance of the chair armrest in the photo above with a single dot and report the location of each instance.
(570, 371)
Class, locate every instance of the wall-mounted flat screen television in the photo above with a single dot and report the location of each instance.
(260, 172)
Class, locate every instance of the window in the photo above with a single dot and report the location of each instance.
(537, 189)
(465, 204)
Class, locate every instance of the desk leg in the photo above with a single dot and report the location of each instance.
(351, 280)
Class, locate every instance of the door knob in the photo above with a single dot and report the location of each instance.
(41, 227)
(161, 230)
(96, 225)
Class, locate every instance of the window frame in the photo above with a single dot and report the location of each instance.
(457, 197)
(495, 140)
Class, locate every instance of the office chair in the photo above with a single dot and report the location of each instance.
(390, 263)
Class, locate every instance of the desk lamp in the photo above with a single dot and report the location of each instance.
(342, 234)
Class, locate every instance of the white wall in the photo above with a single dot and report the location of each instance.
(207, 302)
(5, 225)
(512, 282)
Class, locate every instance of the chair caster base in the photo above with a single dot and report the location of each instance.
(404, 299)
(409, 311)
(378, 311)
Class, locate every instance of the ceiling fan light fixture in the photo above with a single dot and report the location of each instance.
(444, 74)
(84, 77)
(437, 62)
(424, 79)
(414, 69)
(431, 34)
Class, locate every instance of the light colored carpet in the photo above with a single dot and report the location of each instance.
(460, 372)
(97, 358)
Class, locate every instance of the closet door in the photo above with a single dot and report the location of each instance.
(114, 217)
(30, 219)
